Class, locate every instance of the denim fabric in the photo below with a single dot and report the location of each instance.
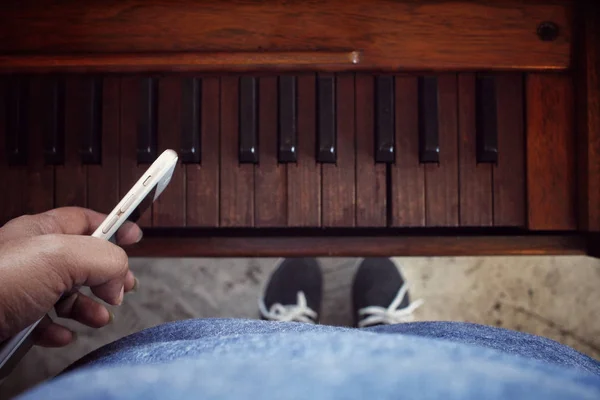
(240, 359)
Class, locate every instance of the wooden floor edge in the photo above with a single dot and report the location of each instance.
(359, 246)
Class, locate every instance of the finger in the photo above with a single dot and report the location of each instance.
(69, 261)
(107, 291)
(83, 309)
(130, 282)
(66, 220)
(50, 334)
(129, 233)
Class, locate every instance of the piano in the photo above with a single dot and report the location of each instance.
(322, 127)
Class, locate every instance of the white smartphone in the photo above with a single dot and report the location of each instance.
(139, 198)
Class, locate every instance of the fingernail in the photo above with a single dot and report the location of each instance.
(140, 236)
(111, 317)
(121, 294)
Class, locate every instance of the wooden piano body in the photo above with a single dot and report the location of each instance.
(311, 127)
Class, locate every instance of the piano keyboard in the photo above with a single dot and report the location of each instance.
(308, 150)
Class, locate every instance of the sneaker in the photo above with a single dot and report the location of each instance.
(380, 294)
(294, 292)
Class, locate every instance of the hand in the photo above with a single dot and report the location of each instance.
(47, 255)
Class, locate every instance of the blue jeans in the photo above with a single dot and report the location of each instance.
(249, 359)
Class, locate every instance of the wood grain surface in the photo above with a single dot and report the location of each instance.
(237, 180)
(201, 61)
(338, 180)
(129, 170)
(270, 177)
(71, 178)
(407, 174)
(441, 180)
(169, 209)
(371, 185)
(475, 178)
(588, 117)
(11, 177)
(551, 180)
(390, 34)
(203, 180)
(509, 173)
(103, 179)
(39, 188)
(304, 177)
(358, 246)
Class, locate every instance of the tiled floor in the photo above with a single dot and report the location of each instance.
(557, 297)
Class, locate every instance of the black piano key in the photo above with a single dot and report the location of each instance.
(54, 131)
(248, 144)
(326, 126)
(190, 121)
(147, 122)
(16, 130)
(384, 120)
(487, 118)
(288, 123)
(429, 141)
(91, 144)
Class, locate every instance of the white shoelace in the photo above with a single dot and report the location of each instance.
(299, 312)
(391, 315)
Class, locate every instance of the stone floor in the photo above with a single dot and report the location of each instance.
(557, 297)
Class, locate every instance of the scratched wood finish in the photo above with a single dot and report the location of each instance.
(407, 174)
(237, 180)
(441, 180)
(358, 246)
(70, 179)
(392, 34)
(371, 187)
(304, 177)
(338, 189)
(475, 179)
(130, 171)
(11, 177)
(270, 194)
(509, 173)
(39, 188)
(588, 117)
(103, 178)
(550, 153)
(183, 62)
(203, 180)
(169, 208)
